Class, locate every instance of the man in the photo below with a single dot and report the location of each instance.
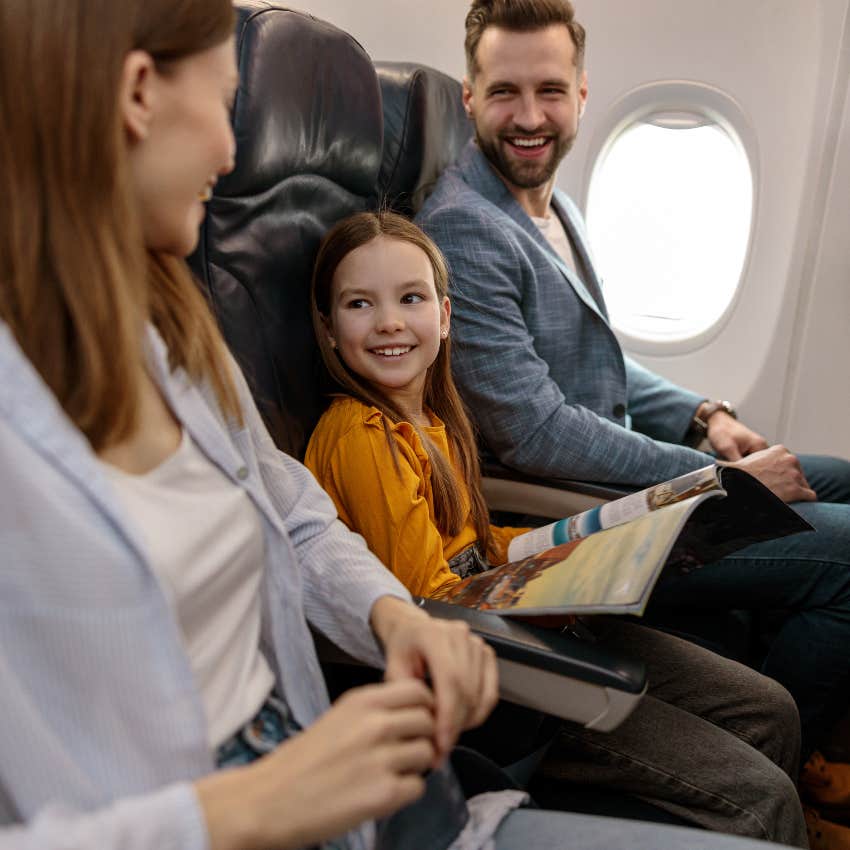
(575, 406)
(549, 386)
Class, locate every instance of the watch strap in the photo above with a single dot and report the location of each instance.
(699, 424)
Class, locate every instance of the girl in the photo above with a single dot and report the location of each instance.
(393, 450)
(150, 532)
(396, 453)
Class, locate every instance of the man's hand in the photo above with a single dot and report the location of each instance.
(780, 471)
(461, 666)
(731, 439)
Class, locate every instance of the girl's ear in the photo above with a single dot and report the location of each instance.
(445, 315)
(136, 94)
(329, 331)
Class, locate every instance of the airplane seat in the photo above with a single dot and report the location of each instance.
(308, 154)
(425, 130)
(308, 124)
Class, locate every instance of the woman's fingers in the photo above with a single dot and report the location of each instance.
(488, 689)
(404, 724)
(462, 669)
(414, 756)
(400, 693)
(457, 667)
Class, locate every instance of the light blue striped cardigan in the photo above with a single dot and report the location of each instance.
(101, 727)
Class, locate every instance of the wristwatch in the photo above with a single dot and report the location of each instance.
(699, 424)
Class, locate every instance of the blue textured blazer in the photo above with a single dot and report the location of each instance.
(533, 353)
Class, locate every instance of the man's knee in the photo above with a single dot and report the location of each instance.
(828, 476)
(768, 720)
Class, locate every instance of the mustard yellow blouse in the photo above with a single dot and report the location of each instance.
(349, 455)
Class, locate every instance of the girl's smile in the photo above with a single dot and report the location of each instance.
(393, 352)
(386, 319)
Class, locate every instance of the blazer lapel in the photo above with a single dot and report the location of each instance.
(479, 174)
(581, 253)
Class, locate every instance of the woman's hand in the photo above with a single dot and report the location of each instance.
(462, 668)
(363, 759)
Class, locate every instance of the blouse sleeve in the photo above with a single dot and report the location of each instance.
(168, 818)
(342, 580)
(500, 539)
(388, 507)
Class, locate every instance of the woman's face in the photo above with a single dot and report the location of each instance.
(180, 143)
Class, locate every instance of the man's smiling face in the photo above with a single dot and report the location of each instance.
(526, 99)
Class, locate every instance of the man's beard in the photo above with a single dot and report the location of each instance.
(524, 175)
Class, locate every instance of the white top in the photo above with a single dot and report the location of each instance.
(553, 229)
(205, 541)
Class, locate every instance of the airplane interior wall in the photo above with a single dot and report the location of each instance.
(783, 352)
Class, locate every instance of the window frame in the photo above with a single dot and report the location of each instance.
(703, 102)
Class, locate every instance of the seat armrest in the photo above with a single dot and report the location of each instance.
(508, 490)
(544, 669)
(559, 674)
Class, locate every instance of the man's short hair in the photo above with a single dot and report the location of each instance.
(520, 16)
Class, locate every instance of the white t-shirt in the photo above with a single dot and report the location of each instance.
(205, 542)
(553, 229)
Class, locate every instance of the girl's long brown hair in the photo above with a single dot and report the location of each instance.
(440, 394)
(76, 282)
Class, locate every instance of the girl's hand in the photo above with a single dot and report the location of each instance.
(462, 668)
(363, 759)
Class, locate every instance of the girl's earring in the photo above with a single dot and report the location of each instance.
(444, 333)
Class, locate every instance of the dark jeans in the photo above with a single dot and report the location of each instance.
(804, 578)
(828, 476)
(712, 741)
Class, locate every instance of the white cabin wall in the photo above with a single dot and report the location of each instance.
(818, 399)
(783, 354)
(401, 30)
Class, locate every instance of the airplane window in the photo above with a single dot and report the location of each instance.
(669, 208)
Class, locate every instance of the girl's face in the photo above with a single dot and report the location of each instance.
(386, 318)
(181, 141)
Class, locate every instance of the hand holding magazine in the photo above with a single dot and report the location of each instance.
(608, 559)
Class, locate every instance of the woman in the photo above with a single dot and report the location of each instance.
(160, 558)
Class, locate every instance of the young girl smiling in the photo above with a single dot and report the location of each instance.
(394, 450)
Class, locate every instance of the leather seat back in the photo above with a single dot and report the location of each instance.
(308, 126)
(425, 129)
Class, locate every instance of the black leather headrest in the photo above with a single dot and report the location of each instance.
(308, 125)
(425, 129)
(307, 103)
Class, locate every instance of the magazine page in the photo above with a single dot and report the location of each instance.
(616, 512)
(610, 572)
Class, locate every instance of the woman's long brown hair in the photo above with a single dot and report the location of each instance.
(76, 282)
(440, 393)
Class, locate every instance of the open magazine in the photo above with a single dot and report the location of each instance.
(608, 559)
